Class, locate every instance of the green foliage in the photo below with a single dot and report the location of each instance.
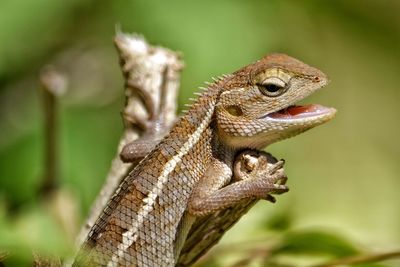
(279, 221)
(315, 242)
(291, 248)
(34, 230)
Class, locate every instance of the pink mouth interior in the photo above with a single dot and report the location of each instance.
(292, 112)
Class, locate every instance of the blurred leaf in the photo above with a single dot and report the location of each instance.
(279, 222)
(208, 262)
(21, 31)
(315, 242)
(33, 230)
(371, 265)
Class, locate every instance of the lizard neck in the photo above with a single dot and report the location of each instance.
(196, 120)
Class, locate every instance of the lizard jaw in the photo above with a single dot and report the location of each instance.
(306, 112)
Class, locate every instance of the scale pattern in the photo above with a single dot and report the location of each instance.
(138, 227)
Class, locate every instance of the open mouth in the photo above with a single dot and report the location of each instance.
(301, 112)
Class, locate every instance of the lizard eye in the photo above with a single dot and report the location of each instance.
(273, 86)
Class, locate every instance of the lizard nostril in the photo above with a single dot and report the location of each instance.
(317, 79)
(234, 110)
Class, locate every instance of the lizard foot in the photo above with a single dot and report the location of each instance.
(262, 169)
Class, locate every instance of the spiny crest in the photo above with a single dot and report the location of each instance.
(204, 91)
(192, 100)
(219, 78)
(216, 80)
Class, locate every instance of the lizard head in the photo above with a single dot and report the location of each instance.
(257, 106)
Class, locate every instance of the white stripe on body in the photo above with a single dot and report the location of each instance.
(130, 236)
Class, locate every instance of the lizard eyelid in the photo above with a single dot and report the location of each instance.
(274, 80)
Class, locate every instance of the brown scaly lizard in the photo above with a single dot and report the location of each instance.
(188, 174)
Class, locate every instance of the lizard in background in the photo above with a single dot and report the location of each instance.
(189, 173)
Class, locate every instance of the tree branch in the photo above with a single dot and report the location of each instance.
(152, 78)
(361, 259)
(53, 85)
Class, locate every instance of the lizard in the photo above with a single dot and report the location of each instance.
(187, 175)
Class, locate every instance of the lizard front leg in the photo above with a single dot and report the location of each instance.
(208, 230)
(153, 133)
(211, 195)
(136, 150)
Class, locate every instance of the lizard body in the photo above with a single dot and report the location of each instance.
(188, 174)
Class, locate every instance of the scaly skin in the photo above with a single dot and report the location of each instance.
(188, 174)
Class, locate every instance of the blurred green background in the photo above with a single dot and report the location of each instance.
(344, 176)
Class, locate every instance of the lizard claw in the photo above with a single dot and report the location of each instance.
(269, 198)
(276, 166)
(282, 180)
(280, 189)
